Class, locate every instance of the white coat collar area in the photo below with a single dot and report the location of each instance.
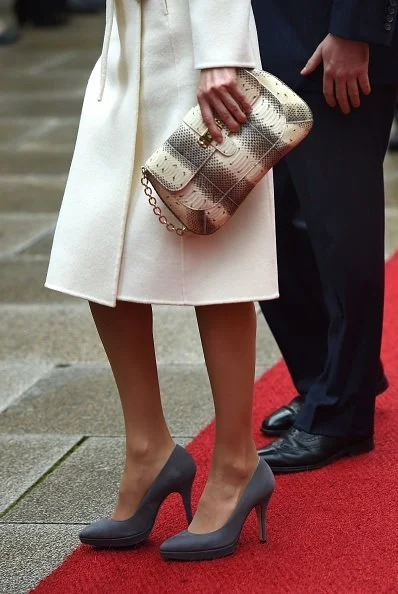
(110, 13)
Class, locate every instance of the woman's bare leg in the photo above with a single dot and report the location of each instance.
(228, 334)
(126, 333)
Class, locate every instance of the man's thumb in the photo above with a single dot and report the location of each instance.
(313, 62)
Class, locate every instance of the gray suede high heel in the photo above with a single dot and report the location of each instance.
(187, 546)
(176, 476)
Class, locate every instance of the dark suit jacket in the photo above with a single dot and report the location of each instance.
(290, 30)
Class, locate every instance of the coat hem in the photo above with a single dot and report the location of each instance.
(199, 303)
(80, 295)
(188, 303)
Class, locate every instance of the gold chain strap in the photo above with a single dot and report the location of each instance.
(156, 209)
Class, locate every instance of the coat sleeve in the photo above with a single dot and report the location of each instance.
(365, 20)
(222, 33)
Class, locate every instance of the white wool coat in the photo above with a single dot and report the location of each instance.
(108, 244)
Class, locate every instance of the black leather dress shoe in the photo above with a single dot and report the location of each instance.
(284, 417)
(297, 450)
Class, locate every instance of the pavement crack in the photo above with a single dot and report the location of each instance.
(43, 477)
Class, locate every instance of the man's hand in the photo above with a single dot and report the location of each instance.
(219, 93)
(346, 71)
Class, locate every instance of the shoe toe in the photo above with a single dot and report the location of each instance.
(97, 530)
(187, 546)
(279, 421)
(108, 530)
(283, 418)
(177, 543)
(267, 450)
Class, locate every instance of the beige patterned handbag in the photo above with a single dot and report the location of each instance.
(203, 182)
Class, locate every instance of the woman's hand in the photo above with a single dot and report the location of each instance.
(219, 94)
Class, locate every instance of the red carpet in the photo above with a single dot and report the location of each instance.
(334, 530)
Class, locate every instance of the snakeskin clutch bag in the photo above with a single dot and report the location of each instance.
(203, 182)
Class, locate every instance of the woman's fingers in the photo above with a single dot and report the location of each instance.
(208, 118)
(214, 106)
(235, 111)
(220, 95)
(227, 110)
(240, 97)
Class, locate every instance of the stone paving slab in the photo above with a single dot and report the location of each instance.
(83, 41)
(267, 351)
(81, 62)
(19, 59)
(58, 334)
(44, 162)
(55, 132)
(391, 232)
(30, 552)
(84, 400)
(25, 458)
(66, 334)
(31, 193)
(16, 378)
(41, 247)
(45, 82)
(88, 480)
(41, 107)
(391, 179)
(17, 232)
(22, 281)
(12, 131)
(177, 338)
(82, 37)
(391, 197)
(78, 396)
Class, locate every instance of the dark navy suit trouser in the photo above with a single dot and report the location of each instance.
(329, 195)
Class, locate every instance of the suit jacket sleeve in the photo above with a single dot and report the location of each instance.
(221, 32)
(364, 20)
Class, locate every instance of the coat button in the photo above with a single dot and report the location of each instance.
(392, 2)
(391, 10)
(389, 19)
(388, 27)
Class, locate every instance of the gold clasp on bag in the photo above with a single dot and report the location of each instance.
(206, 139)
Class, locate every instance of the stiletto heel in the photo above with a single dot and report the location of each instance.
(220, 543)
(176, 476)
(186, 496)
(261, 509)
